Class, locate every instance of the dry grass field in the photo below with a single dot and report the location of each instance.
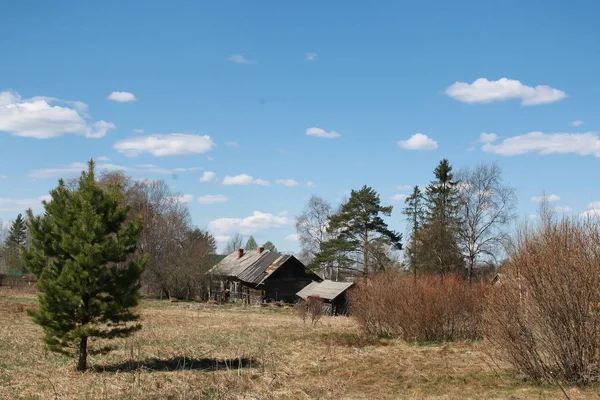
(197, 351)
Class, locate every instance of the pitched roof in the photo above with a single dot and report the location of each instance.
(305, 292)
(233, 266)
(327, 289)
(252, 267)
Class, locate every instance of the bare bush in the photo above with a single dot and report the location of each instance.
(428, 308)
(301, 310)
(543, 316)
(315, 308)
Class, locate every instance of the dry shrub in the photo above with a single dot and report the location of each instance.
(315, 308)
(301, 310)
(424, 309)
(543, 316)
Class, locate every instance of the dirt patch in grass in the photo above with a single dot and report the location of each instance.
(192, 351)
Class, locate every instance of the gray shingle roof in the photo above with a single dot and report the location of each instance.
(327, 290)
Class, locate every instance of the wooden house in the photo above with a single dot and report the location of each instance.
(259, 276)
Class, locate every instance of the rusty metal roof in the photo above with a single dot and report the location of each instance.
(327, 289)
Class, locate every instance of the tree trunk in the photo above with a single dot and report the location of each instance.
(365, 253)
(82, 364)
(471, 262)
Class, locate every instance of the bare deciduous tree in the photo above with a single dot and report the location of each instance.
(311, 226)
(234, 244)
(486, 208)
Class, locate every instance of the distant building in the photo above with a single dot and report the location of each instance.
(258, 276)
(332, 293)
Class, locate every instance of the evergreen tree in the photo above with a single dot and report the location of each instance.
(357, 227)
(251, 244)
(17, 235)
(415, 212)
(270, 246)
(439, 236)
(83, 253)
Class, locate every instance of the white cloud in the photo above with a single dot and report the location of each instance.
(577, 123)
(593, 210)
(310, 57)
(138, 130)
(534, 216)
(209, 158)
(551, 198)
(547, 143)
(318, 132)
(122, 97)
(484, 91)
(564, 209)
(487, 137)
(418, 141)
(20, 205)
(222, 238)
(232, 144)
(240, 59)
(102, 158)
(398, 197)
(287, 182)
(294, 237)
(208, 176)
(244, 179)
(310, 184)
(248, 225)
(39, 118)
(404, 187)
(212, 199)
(173, 144)
(185, 198)
(77, 167)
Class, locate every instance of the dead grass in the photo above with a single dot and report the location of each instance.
(190, 351)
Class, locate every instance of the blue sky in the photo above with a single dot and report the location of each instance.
(339, 94)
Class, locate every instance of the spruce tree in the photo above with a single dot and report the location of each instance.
(251, 244)
(415, 212)
(83, 251)
(357, 226)
(17, 235)
(270, 246)
(439, 236)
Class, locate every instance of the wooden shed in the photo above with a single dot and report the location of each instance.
(332, 293)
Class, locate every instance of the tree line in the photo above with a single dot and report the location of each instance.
(457, 223)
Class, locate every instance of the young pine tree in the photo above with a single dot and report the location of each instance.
(439, 236)
(251, 244)
(415, 212)
(82, 251)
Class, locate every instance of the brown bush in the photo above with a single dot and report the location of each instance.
(315, 308)
(543, 316)
(301, 310)
(429, 308)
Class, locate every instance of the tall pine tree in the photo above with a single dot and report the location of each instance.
(415, 212)
(439, 237)
(356, 228)
(83, 253)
